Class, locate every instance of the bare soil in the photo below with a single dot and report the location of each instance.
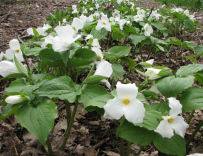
(91, 134)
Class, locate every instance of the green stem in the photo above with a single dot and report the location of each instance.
(128, 150)
(49, 147)
(141, 148)
(190, 118)
(112, 85)
(194, 133)
(122, 147)
(26, 62)
(68, 112)
(90, 73)
(70, 125)
(126, 76)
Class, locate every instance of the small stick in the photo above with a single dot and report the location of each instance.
(100, 143)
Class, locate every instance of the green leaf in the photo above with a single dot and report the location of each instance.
(65, 56)
(99, 101)
(135, 134)
(119, 32)
(137, 39)
(51, 58)
(189, 69)
(199, 50)
(21, 68)
(131, 63)
(32, 52)
(16, 85)
(61, 88)
(174, 145)
(171, 86)
(192, 99)
(118, 71)
(8, 110)
(39, 120)
(94, 79)
(188, 25)
(99, 34)
(90, 92)
(176, 42)
(199, 77)
(160, 107)
(158, 25)
(188, 45)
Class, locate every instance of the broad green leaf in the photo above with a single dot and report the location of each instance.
(150, 95)
(171, 86)
(32, 51)
(176, 42)
(38, 120)
(119, 32)
(189, 69)
(61, 88)
(131, 63)
(118, 71)
(91, 92)
(174, 145)
(40, 77)
(199, 77)
(188, 25)
(99, 101)
(16, 85)
(99, 34)
(160, 107)
(51, 58)
(199, 50)
(192, 99)
(188, 45)
(158, 25)
(135, 134)
(137, 39)
(8, 110)
(120, 51)
(94, 79)
(65, 56)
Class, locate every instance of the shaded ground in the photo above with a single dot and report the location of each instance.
(91, 134)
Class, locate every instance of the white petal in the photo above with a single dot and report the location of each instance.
(134, 111)
(9, 54)
(1, 55)
(104, 68)
(126, 90)
(14, 44)
(77, 23)
(114, 109)
(179, 126)
(164, 129)
(99, 25)
(15, 99)
(107, 83)
(30, 31)
(97, 51)
(19, 56)
(152, 73)
(108, 26)
(57, 44)
(7, 68)
(150, 61)
(176, 107)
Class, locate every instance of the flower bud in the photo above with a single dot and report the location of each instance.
(14, 99)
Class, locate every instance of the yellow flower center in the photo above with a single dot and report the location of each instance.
(99, 57)
(17, 50)
(171, 120)
(132, 9)
(74, 28)
(126, 101)
(104, 23)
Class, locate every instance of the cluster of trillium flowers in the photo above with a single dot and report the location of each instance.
(125, 104)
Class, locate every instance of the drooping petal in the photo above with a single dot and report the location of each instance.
(176, 107)
(14, 44)
(107, 83)
(152, 73)
(7, 68)
(9, 54)
(179, 126)
(164, 129)
(108, 26)
(126, 90)
(98, 52)
(104, 68)
(114, 109)
(134, 111)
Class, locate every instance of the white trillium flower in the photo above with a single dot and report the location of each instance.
(15, 99)
(119, 1)
(172, 123)
(104, 68)
(47, 40)
(138, 18)
(121, 23)
(98, 52)
(152, 73)
(14, 50)
(141, 12)
(83, 18)
(77, 24)
(8, 68)
(125, 104)
(196, 154)
(40, 30)
(116, 13)
(147, 30)
(97, 6)
(104, 23)
(66, 36)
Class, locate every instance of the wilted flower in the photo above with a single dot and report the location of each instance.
(15, 99)
(172, 123)
(125, 104)
(14, 50)
(8, 68)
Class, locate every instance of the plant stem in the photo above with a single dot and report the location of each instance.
(68, 112)
(190, 118)
(125, 76)
(194, 133)
(26, 62)
(141, 148)
(70, 125)
(128, 150)
(109, 39)
(49, 147)
(122, 147)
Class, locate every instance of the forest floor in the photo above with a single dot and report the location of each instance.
(91, 134)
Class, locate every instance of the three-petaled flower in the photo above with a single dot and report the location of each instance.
(125, 104)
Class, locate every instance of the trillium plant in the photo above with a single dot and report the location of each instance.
(80, 56)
